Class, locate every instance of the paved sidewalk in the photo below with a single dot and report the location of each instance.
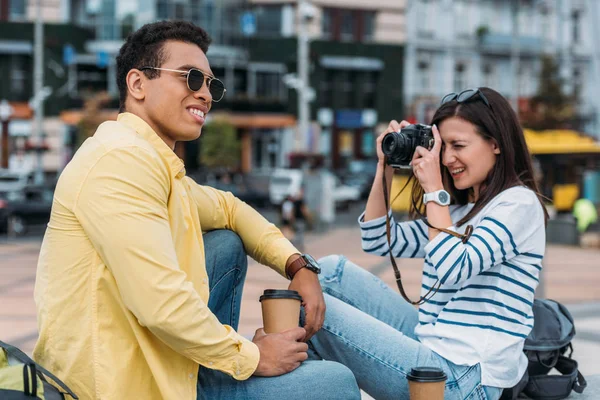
(571, 276)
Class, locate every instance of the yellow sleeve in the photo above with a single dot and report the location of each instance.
(122, 206)
(262, 240)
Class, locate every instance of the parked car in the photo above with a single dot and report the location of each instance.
(344, 195)
(284, 182)
(22, 209)
(360, 174)
(11, 181)
(246, 191)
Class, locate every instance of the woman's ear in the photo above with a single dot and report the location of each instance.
(495, 147)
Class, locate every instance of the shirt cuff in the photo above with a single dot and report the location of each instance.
(246, 363)
(281, 250)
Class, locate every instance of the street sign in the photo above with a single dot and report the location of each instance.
(248, 23)
(102, 59)
(68, 54)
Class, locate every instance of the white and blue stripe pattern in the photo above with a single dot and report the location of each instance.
(482, 312)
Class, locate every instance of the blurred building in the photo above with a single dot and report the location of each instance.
(355, 66)
(456, 44)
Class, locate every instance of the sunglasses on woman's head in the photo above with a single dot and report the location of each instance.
(465, 96)
(195, 80)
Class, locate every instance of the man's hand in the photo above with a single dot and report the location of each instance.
(307, 284)
(280, 353)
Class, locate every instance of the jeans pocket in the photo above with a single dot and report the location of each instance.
(477, 394)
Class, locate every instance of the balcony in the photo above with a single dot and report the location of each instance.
(501, 44)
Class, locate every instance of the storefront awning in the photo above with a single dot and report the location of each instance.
(256, 120)
(239, 120)
(560, 142)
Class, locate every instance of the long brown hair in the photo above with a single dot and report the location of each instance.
(513, 165)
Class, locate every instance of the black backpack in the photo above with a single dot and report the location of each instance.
(545, 348)
(21, 378)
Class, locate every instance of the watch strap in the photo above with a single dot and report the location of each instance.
(295, 266)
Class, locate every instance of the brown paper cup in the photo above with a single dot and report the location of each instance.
(426, 383)
(280, 310)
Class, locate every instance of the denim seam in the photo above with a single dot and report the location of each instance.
(339, 296)
(362, 351)
(456, 382)
(237, 271)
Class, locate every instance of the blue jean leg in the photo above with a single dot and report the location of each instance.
(366, 292)
(226, 265)
(370, 329)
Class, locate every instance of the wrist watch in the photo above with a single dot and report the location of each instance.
(304, 261)
(440, 197)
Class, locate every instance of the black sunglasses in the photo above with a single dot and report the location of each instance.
(464, 96)
(195, 80)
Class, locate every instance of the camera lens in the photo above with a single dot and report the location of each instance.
(389, 144)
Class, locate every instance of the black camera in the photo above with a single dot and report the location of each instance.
(399, 147)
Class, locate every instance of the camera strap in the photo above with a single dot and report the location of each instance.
(388, 229)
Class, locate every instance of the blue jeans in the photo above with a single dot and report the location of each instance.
(226, 264)
(370, 329)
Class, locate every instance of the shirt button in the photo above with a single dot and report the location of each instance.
(210, 363)
(238, 372)
(205, 281)
(191, 376)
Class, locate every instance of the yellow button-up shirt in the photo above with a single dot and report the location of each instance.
(121, 288)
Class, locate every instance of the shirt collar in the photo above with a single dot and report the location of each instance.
(145, 131)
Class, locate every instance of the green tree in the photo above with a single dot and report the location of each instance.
(551, 108)
(220, 147)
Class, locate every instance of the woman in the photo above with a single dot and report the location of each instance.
(475, 325)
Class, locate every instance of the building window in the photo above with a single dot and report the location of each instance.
(425, 12)
(344, 89)
(268, 20)
(577, 83)
(368, 84)
(462, 17)
(489, 76)
(18, 76)
(240, 82)
(326, 89)
(546, 23)
(16, 10)
(268, 85)
(327, 23)
(576, 25)
(368, 20)
(424, 71)
(460, 77)
(347, 26)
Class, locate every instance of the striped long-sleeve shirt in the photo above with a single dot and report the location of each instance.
(482, 312)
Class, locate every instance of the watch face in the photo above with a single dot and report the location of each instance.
(310, 260)
(312, 264)
(443, 197)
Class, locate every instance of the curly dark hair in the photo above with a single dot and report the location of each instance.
(144, 48)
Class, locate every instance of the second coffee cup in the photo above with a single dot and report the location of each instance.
(426, 383)
(280, 310)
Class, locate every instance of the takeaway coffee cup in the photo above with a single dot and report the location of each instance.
(280, 310)
(426, 383)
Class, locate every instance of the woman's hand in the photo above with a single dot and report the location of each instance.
(426, 164)
(394, 126)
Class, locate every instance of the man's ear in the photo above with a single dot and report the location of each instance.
(135, 84)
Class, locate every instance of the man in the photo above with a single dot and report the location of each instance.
(131, 298)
